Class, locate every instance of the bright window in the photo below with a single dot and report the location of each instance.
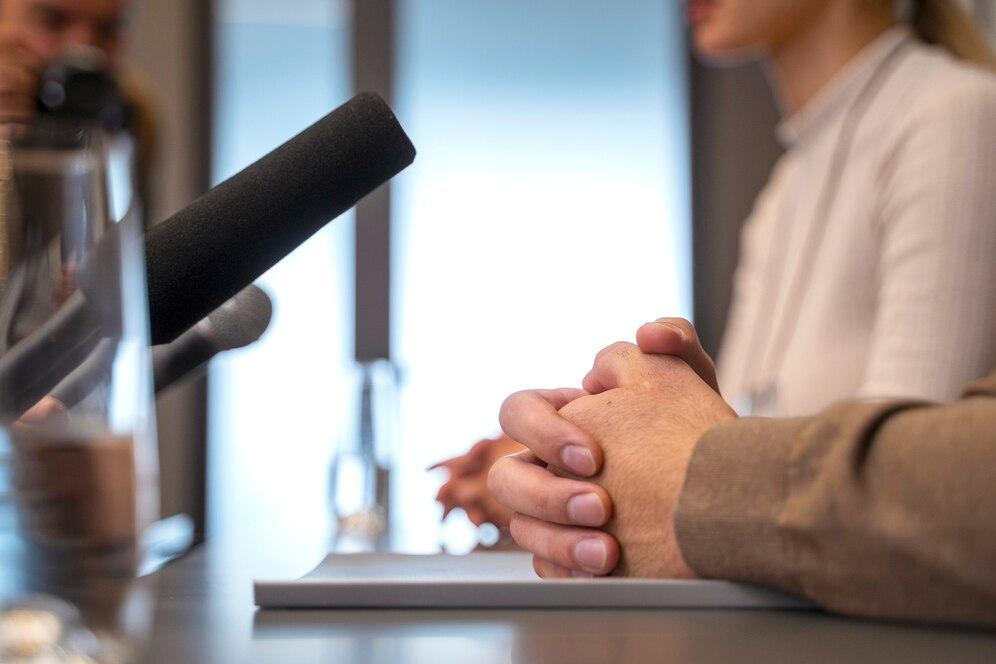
(275, 407)
(547, 214)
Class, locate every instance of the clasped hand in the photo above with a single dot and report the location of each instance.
(596, 491)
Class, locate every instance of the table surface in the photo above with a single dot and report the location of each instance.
(203, 612)
(200, 608)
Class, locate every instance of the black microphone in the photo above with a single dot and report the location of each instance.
(237, 323)
(226, 239)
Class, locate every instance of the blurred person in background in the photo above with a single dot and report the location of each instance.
(34, 34)
(868, 265)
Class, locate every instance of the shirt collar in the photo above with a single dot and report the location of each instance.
(834, 98)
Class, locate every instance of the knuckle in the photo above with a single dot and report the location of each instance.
(515, 402)
(617, 348)
(509, 408)
(613, 351)
(550, 504)
(601, 355)
(622, 350)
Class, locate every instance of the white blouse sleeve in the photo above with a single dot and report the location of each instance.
(935, 326)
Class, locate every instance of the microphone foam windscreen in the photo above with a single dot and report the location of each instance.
(226, 239)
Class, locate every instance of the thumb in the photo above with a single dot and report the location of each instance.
(677, 337)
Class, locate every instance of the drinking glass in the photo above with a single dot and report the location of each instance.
(360, 475)
(78, 474)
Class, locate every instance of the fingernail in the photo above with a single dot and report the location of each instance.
(579, 460)
(591, 554)
(586, 510)
(677, 330)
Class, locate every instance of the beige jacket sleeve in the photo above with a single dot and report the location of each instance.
(880, 509)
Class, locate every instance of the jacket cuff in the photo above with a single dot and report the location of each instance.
(727, 521)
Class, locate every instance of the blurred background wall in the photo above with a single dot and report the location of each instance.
(733, 150)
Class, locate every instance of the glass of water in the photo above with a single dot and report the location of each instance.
(360, 476)
(78, 456)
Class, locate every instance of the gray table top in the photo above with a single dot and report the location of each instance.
(204, 613)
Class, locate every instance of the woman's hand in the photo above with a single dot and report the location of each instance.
(467, 486)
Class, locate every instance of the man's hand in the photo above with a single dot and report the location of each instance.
(20, 68)
(466, 488)
(647, 415)
(531, 417)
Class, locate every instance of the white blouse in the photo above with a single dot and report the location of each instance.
(868, 266)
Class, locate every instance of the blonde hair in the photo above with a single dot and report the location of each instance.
(945, 23)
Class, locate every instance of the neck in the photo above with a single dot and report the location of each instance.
(806, 60)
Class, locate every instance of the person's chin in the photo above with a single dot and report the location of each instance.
(713, 47)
